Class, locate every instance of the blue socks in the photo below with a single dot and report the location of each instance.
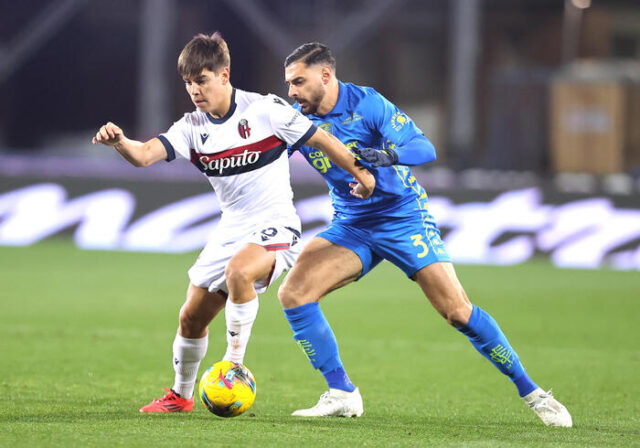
(488, 339)
(314, 335)
(338, 379)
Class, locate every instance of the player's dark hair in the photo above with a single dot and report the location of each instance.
(203, 52)
(311, 53)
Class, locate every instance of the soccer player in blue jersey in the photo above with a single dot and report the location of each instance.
(393, 224)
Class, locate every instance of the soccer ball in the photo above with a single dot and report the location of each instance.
(227, 389)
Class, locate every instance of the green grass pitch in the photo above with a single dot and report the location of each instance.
(85, 340)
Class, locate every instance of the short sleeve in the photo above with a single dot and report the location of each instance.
(177, 140)
(289, 124)
(384, 118)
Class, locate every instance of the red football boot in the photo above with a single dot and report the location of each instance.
(172, 402)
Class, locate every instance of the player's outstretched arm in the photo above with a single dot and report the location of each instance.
(340, 155)
(417, 151)
(135, 152)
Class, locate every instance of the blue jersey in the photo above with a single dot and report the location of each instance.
(365, 119)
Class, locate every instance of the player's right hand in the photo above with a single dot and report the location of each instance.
(109, 134)
(364, 186)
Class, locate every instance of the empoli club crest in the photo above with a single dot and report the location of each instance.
(327, 127)
(398, 120)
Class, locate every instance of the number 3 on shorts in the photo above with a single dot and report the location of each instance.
(417, 241)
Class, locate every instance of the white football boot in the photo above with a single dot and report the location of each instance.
(550, 410)
(335, 403)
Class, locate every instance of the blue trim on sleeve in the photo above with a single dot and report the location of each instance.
(171, 153)
(229, 113)
(307, 135)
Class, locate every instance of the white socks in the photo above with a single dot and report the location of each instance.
(240, 319)
(187, 354)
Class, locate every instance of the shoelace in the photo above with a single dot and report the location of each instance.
(171, 395)
(543, 404)
(325, 398)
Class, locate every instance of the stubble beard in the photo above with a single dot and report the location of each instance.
(314, 102)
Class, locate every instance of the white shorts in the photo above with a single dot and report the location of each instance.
(283, 239)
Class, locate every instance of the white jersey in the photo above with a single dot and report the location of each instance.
(243, 154)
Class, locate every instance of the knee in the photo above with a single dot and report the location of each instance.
(237, 275)
(291, 297)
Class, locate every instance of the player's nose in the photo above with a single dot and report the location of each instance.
(292, 92)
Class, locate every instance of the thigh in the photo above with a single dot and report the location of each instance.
(411, 243)
(271, 250)
(356, 237)
(254, 252)
(254, 261)
(208, 270)
(321, 267)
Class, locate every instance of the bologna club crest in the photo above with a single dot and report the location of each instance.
(243, 128)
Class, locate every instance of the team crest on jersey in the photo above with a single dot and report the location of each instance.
(398, 120)
(327, 127)
(243, 128)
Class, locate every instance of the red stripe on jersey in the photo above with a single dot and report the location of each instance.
(261, 146)
(275, 247)
(241, 159)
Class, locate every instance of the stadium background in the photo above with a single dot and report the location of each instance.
(533, 106)
(534, 96)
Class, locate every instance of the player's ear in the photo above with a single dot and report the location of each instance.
(224, 74)
(326, 74)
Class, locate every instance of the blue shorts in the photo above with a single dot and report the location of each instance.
(410, 242)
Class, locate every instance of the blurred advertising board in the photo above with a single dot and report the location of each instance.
(158, 214)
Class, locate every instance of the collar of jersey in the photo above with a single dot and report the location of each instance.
(230, 112)
(341, 104)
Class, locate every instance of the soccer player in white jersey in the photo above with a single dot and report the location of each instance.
(238, 140)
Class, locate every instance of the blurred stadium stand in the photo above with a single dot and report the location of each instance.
(516, 94)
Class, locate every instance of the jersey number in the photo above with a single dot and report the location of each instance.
(417, 241)
(267, 233)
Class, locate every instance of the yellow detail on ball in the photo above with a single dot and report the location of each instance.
(227, 389)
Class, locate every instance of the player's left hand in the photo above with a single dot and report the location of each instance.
(363, 188)
(377, 157)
